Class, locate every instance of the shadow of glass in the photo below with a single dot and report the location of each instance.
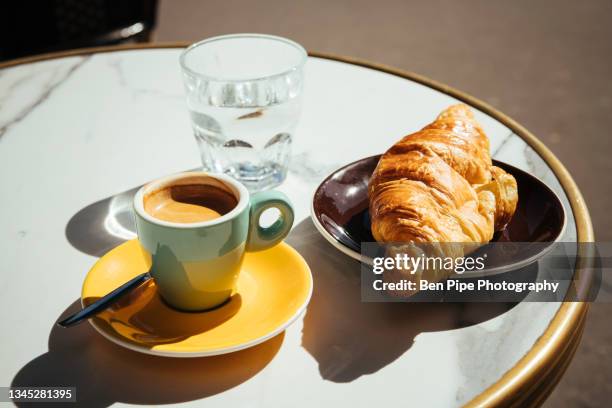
(103, 225)
(134, 316)
(104, 373)
(350, 338)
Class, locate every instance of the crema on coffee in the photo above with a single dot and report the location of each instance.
(189, 203)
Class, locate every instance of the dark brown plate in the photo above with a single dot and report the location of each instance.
(340, 213)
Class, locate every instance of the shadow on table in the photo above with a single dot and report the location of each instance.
(104, 373)
(103, 225)
(349, 338)
(144, 318)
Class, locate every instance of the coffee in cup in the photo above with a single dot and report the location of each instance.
(196, 227)
(188, 203)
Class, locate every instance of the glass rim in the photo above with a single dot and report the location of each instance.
(298, 47)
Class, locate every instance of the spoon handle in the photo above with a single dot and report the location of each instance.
(102, 303)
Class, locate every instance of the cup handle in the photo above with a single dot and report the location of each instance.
(261, 238)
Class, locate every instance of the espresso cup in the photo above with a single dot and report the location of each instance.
(196, 265)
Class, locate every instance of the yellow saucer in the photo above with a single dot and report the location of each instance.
(273, 289)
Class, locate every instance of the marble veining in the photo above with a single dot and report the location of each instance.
(306, 167)
(80, 131)
(56, 78)
(502, 144)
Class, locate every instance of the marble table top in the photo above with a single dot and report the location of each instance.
(77, 132)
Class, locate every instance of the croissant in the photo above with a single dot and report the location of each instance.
(438, 185)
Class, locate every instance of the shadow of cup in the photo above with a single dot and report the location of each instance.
(143, 318)
(104, 373)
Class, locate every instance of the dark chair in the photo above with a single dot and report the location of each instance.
(31, 27)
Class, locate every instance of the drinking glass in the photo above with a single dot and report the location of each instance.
(244, 94)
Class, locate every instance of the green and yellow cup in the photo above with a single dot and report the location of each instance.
(196, 265)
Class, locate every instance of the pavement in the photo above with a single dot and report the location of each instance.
(545, 63)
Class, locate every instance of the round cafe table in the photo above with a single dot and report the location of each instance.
(80, 130)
